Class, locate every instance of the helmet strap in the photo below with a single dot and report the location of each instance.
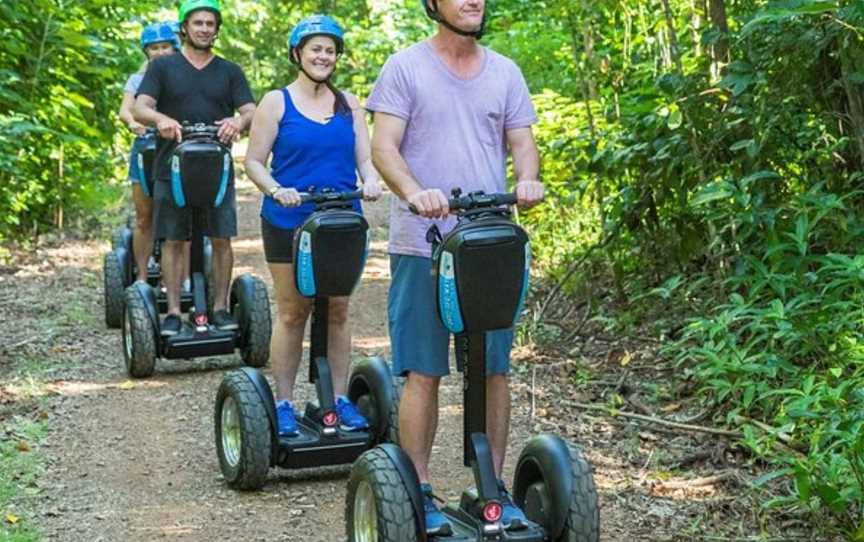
(476, 34)
(295, 58)
(314, 80)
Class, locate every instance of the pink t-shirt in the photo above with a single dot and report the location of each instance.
(455, 129)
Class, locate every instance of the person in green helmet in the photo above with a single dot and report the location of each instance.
(196, 87)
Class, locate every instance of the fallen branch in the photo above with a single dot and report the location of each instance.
(634, 401)
(28, 340)
(659, 421)
(686, 461)
(786, 443)
(696, 482)
(538, 316)
(582, 323)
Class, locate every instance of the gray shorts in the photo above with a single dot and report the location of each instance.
(175, 224)
(419, 340)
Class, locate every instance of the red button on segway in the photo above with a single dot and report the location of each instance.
(492, 511)
(330, 419)
(201, 320)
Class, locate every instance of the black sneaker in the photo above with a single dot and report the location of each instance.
(223, 321)
(171, 325)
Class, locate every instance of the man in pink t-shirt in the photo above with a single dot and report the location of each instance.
(446, 111)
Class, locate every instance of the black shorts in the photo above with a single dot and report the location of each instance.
(175, 223)
(278, 243)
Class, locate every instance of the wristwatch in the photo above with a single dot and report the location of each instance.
(273, 190)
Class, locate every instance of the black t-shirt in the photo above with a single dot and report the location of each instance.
(185, 93)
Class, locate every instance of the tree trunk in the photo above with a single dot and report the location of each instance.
(589, 89)
(720, 49)
(849, 64)
(696, 26)
(675, 53)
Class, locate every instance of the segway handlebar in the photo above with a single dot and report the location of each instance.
(476, 200)
(200, 129)
(327, 197)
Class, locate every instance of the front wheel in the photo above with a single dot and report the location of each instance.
(378, 504)
(376, 394)
(113, 279)
(243, 437)
(251, 306)
(139, 337)
(555, 488)
(123, 236)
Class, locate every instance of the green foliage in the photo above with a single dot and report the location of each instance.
(256, 33)
(692, 170)
(64, 64)
(20, 466)
(787, 347)
(724, 190)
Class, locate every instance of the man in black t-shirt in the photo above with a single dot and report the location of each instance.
(195, 86)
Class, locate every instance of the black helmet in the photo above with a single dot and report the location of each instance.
(433, 14)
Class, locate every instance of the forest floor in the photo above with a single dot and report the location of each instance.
(91, 455)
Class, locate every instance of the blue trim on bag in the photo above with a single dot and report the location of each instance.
(448, 297)
(304, 271)
(176, 183)
(141, 180)
(223, 184)
(526, 279)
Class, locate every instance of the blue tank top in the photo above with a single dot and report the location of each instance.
(309, 154)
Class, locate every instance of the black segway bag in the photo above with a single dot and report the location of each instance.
(200, 172)
(330, 251)
(481, 271)
(145, 164)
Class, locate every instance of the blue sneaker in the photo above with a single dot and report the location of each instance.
(285, 418)
(512, 516)
(350, 418)
(437, 523)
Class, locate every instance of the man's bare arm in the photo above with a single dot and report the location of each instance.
(145, 112)
(526, 166)
(386, 139)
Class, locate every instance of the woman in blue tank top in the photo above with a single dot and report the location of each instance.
(319, 139)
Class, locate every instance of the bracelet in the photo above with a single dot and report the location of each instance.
(272, 192)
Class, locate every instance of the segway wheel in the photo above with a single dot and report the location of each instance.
(139, 337)
(208, 258)
(243, 436)
(378, 505)
(251, 306)
(122, 238)
(564, 503)
(377, 394)
(113, 277)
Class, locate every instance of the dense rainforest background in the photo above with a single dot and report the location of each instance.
(703, 160)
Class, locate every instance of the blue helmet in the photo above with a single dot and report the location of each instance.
(175, 26)
(158, 33)
(316, 25)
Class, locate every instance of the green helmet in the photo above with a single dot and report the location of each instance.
(187, 7)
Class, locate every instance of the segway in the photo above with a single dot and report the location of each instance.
(329, 253)
(481, 271)
(201, 168)
(119, 268)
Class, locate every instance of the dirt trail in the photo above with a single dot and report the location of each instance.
(135, 460)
